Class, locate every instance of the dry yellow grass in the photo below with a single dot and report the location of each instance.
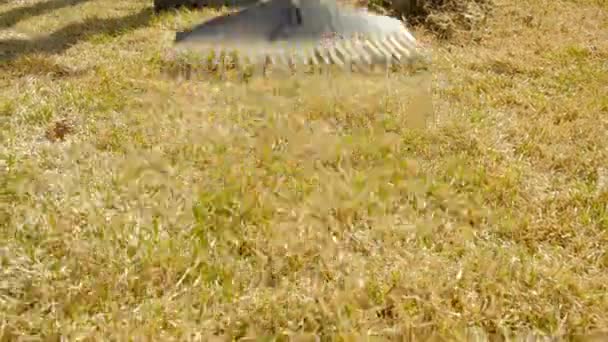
(134, 206)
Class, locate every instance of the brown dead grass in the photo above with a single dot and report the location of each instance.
(314, 206)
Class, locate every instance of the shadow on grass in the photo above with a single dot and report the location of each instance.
(14, 16)
(71, 34)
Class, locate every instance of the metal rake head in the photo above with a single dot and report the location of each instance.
(290, 33)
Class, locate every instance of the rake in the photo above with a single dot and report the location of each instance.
(290, 33)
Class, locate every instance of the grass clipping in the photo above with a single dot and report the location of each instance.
(443, 17)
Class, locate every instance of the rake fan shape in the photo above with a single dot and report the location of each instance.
(286, 33)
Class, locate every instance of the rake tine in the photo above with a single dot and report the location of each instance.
(341, 46)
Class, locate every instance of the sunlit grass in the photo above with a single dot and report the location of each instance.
(133, 205)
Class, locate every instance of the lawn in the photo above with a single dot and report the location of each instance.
(138, 206)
